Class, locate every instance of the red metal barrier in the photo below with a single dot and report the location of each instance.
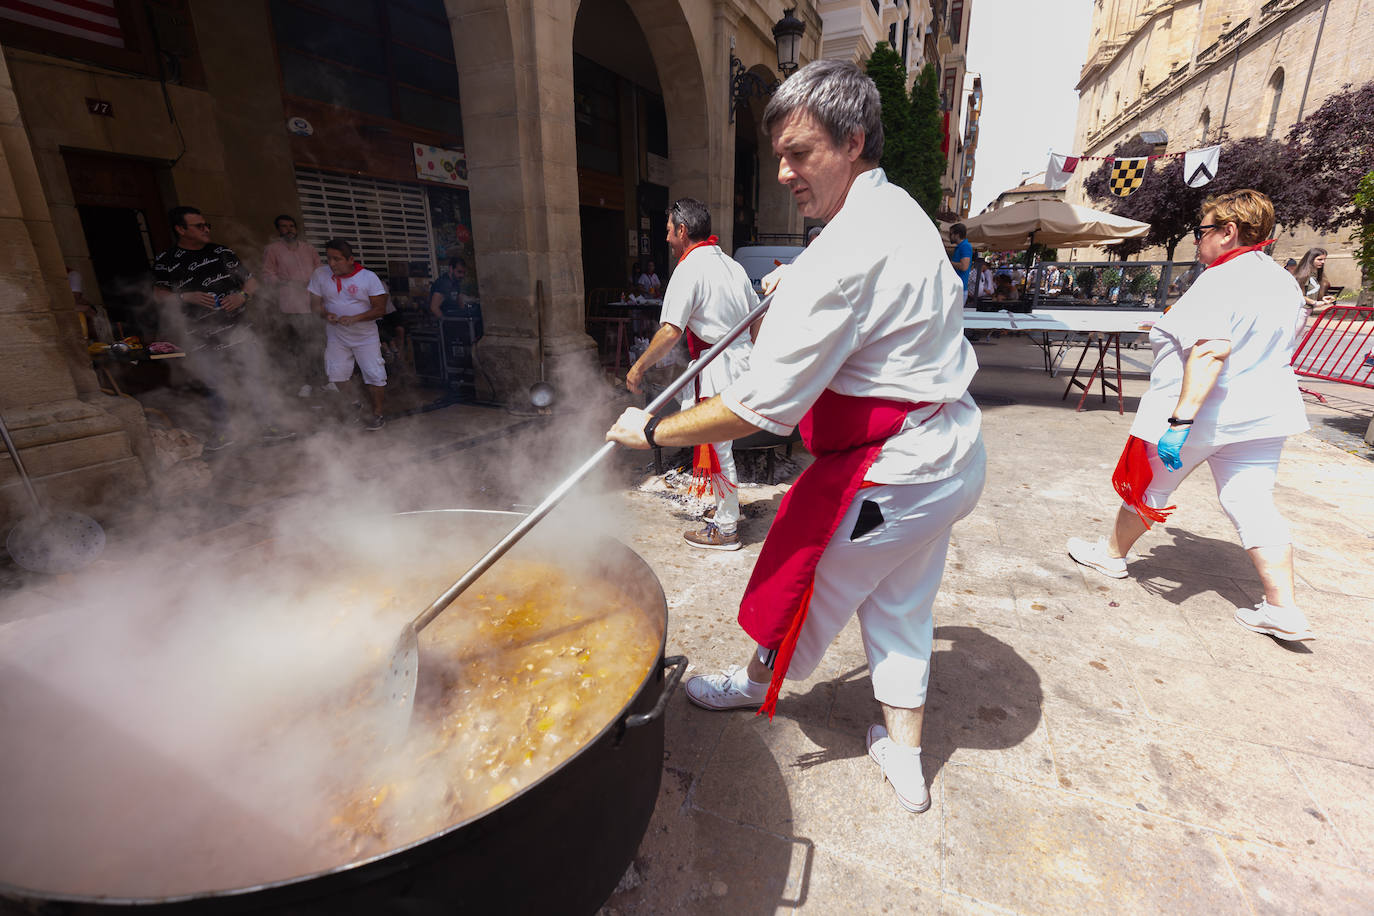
(1339, 346)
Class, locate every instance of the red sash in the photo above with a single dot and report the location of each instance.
(1132, 478)
(845, 434)
(707, 478)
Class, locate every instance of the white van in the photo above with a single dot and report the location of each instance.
(759, 260)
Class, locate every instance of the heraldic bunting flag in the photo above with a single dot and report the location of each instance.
(1127, 175)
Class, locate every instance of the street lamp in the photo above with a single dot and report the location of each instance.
(787, 33)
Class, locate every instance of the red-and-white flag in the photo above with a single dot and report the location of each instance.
(91, 20)
(1060, 169)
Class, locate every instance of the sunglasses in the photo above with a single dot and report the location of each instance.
(1200, 231)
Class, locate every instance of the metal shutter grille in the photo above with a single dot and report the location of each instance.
(384, 220)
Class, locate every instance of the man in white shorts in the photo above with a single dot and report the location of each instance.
(863, 349)
(351, 298)
(708, 294)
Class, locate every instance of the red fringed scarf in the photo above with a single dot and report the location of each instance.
(845, 434)
(1132, 478)
(707, 479)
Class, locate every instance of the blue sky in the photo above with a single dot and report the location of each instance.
(1029, 53)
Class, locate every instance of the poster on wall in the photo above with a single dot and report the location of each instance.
(450, 216)
(448, 166)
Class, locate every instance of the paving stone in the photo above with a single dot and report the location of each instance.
(1342, 792)
(1242, 789)
(1036, 850)
(1288, 713)
(1277, 881)
(827, 790)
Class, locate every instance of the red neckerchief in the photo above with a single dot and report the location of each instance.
(1237, 252)
(845, 434)
(711, 240)
(339, 278)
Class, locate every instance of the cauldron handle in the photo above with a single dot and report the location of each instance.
(679, 665)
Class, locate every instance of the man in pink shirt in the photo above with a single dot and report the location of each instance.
(287, 265)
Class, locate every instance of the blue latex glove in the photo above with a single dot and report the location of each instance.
(1169, 446)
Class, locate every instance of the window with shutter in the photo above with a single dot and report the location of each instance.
(384, 220)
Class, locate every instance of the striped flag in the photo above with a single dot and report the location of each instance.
(91, 20)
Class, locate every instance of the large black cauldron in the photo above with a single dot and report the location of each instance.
(558, 846)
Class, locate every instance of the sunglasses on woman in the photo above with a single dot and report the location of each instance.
(1200, 231)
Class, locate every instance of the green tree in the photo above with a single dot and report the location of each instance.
(1364, 233)
(884, 67)
(927, 134)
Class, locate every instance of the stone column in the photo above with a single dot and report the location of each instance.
(76, 443)
(515, 73)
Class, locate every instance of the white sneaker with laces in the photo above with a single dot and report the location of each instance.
(901, 766)
(1094, 554)
(1286, 623)
(731, 690)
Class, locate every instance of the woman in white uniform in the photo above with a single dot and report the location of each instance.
(1221, 391)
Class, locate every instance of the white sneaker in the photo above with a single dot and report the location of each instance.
(1286, 623)
(305, 391)
(1094, 554)
(731, 690)
(901, 766)
(330, 387)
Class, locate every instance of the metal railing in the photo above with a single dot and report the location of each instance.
(1339, 346)
(1091, 285)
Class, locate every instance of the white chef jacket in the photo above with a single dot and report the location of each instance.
(708, 294)
(872, 308)
(348, 296)
(1254, 303)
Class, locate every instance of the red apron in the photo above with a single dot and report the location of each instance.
(845, 434)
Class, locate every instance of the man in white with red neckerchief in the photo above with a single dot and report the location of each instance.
(863, 348)
(708, 294)
(350, 298)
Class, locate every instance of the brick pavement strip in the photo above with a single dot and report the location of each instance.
(1092, 745)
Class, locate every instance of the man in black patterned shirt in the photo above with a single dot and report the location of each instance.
(211, 289)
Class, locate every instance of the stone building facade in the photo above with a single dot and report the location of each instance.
(1197, 68)
(187, 103)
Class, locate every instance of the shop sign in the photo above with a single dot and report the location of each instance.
(447, 166)
(657, 170)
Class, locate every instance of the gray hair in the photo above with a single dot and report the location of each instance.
(839, 96)
(692, 215)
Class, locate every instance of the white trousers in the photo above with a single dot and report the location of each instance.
(888, 576)
(1244, 473)
(727, 506)
(340, 352)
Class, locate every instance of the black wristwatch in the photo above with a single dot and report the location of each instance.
(1175, 421)
(649, 431)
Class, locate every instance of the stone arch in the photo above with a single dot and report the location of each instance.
(694, 150)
